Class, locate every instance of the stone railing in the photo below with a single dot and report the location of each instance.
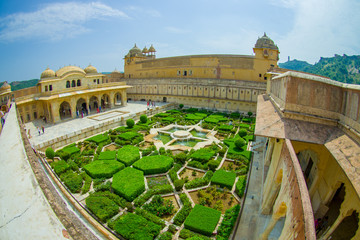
(99, 128)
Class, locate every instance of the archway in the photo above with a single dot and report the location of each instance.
(81, 106)
(64, 110)
(347, 228)
(308, 159)
(105, 101)
(117, 99)
(164, 99)
(93, 104)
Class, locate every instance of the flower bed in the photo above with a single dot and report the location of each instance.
(103, 207)
(202, 220)
(154, 164)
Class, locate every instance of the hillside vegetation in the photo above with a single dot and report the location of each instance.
(17, 85)
(340, 68)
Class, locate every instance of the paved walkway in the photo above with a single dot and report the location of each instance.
(72, 125)
(252, 222)
(25, 212)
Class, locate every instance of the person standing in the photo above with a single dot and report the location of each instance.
(43, 129)
(38, 130)
(29, 133)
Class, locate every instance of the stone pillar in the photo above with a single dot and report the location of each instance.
(55, 112)
(269, 152)
(333, 227)
(270, 193)
(123, 98)
(279, 213)
(111, 99)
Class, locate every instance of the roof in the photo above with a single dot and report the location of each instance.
(342, 147)
(69, 69)
(266, 42)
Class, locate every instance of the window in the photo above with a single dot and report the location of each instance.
(265, 78)
(95, 79)
(190, 72)
(259, 74)
(28, 117)
(233, 73)
(185, 73)
(46, 88)
(73, 83)
(67, 84)
(178, 72)
(98, 81)
(78, 83)
(50, 87)
(35, 115)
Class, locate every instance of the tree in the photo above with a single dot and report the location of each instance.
(239, 143)
(50, 153)
(143, 118)
(181, 106)
(242, 132)
(250, 114)
(130, 123)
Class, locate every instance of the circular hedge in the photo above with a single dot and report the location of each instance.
(143, 118)
(130, 123)
(242, 132)
(239, 143)
(50, 153)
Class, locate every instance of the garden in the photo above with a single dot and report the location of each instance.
(142, 191)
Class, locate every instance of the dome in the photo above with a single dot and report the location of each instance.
(90, 69)
(47, 73)
(145, 50)
(266, 42)
(5, 86)
(152, 49)
(135, 51)
(69, 69)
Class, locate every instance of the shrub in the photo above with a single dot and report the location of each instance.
(159, 206)
(50, 153)
(128, 155)
(128, 135)
(143, 118)
(202, 155)
(133, 227)
(242, 132)
(187, 234)
(228, 222)
(213, 164)
(181, 106)
(151, 217)
(199, 182)
(103, 207)
(240, 186)
(160, 189)
(223, 178)
(184, 211)
(197, 164)
(154, 164)
(71, 149)
(130, 123)
(103, 168)
(128, 183)
(106, 186)
(98, 138)
(173, 172)
(65, 155)
(168, 119)
(165, 236)
(202, 220)
(60, 167)
(172, 229)
(107, 155)
(86, 187)
(240, 142)
(179, 183)
(112, 196)
(226, 127)
(180, 157)
(250, 114)
(72, 180)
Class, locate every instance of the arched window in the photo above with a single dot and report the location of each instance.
(73, 83)
(67, 84)
(78, 83)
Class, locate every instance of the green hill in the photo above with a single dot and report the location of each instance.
(17, 85)
(340, 68)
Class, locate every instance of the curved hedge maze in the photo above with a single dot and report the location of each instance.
(139, 191)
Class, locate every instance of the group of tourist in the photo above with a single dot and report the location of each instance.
(150, 104)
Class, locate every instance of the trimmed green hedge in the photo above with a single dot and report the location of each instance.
(103, 207)
(162, 115)
(71, 149)
(240, 186)
(184, 211)
(228, 223)
(98, 138)
(103, 168)
(60, 166)
(190, 235)
(223, 178)
(128, 183)
(107, 155)
(168, 119)
(151, 217)
(128, 135)
(135, 227)
(225, 127)
(202, 155)
(154, 164)
(112, 196)
(160, 189)
(202, 220)
(72, 180)
(128, 154)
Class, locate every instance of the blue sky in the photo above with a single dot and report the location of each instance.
(38, 34)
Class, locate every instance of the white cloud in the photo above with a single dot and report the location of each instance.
(322, 28)
(142, 11)
(55, 21)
